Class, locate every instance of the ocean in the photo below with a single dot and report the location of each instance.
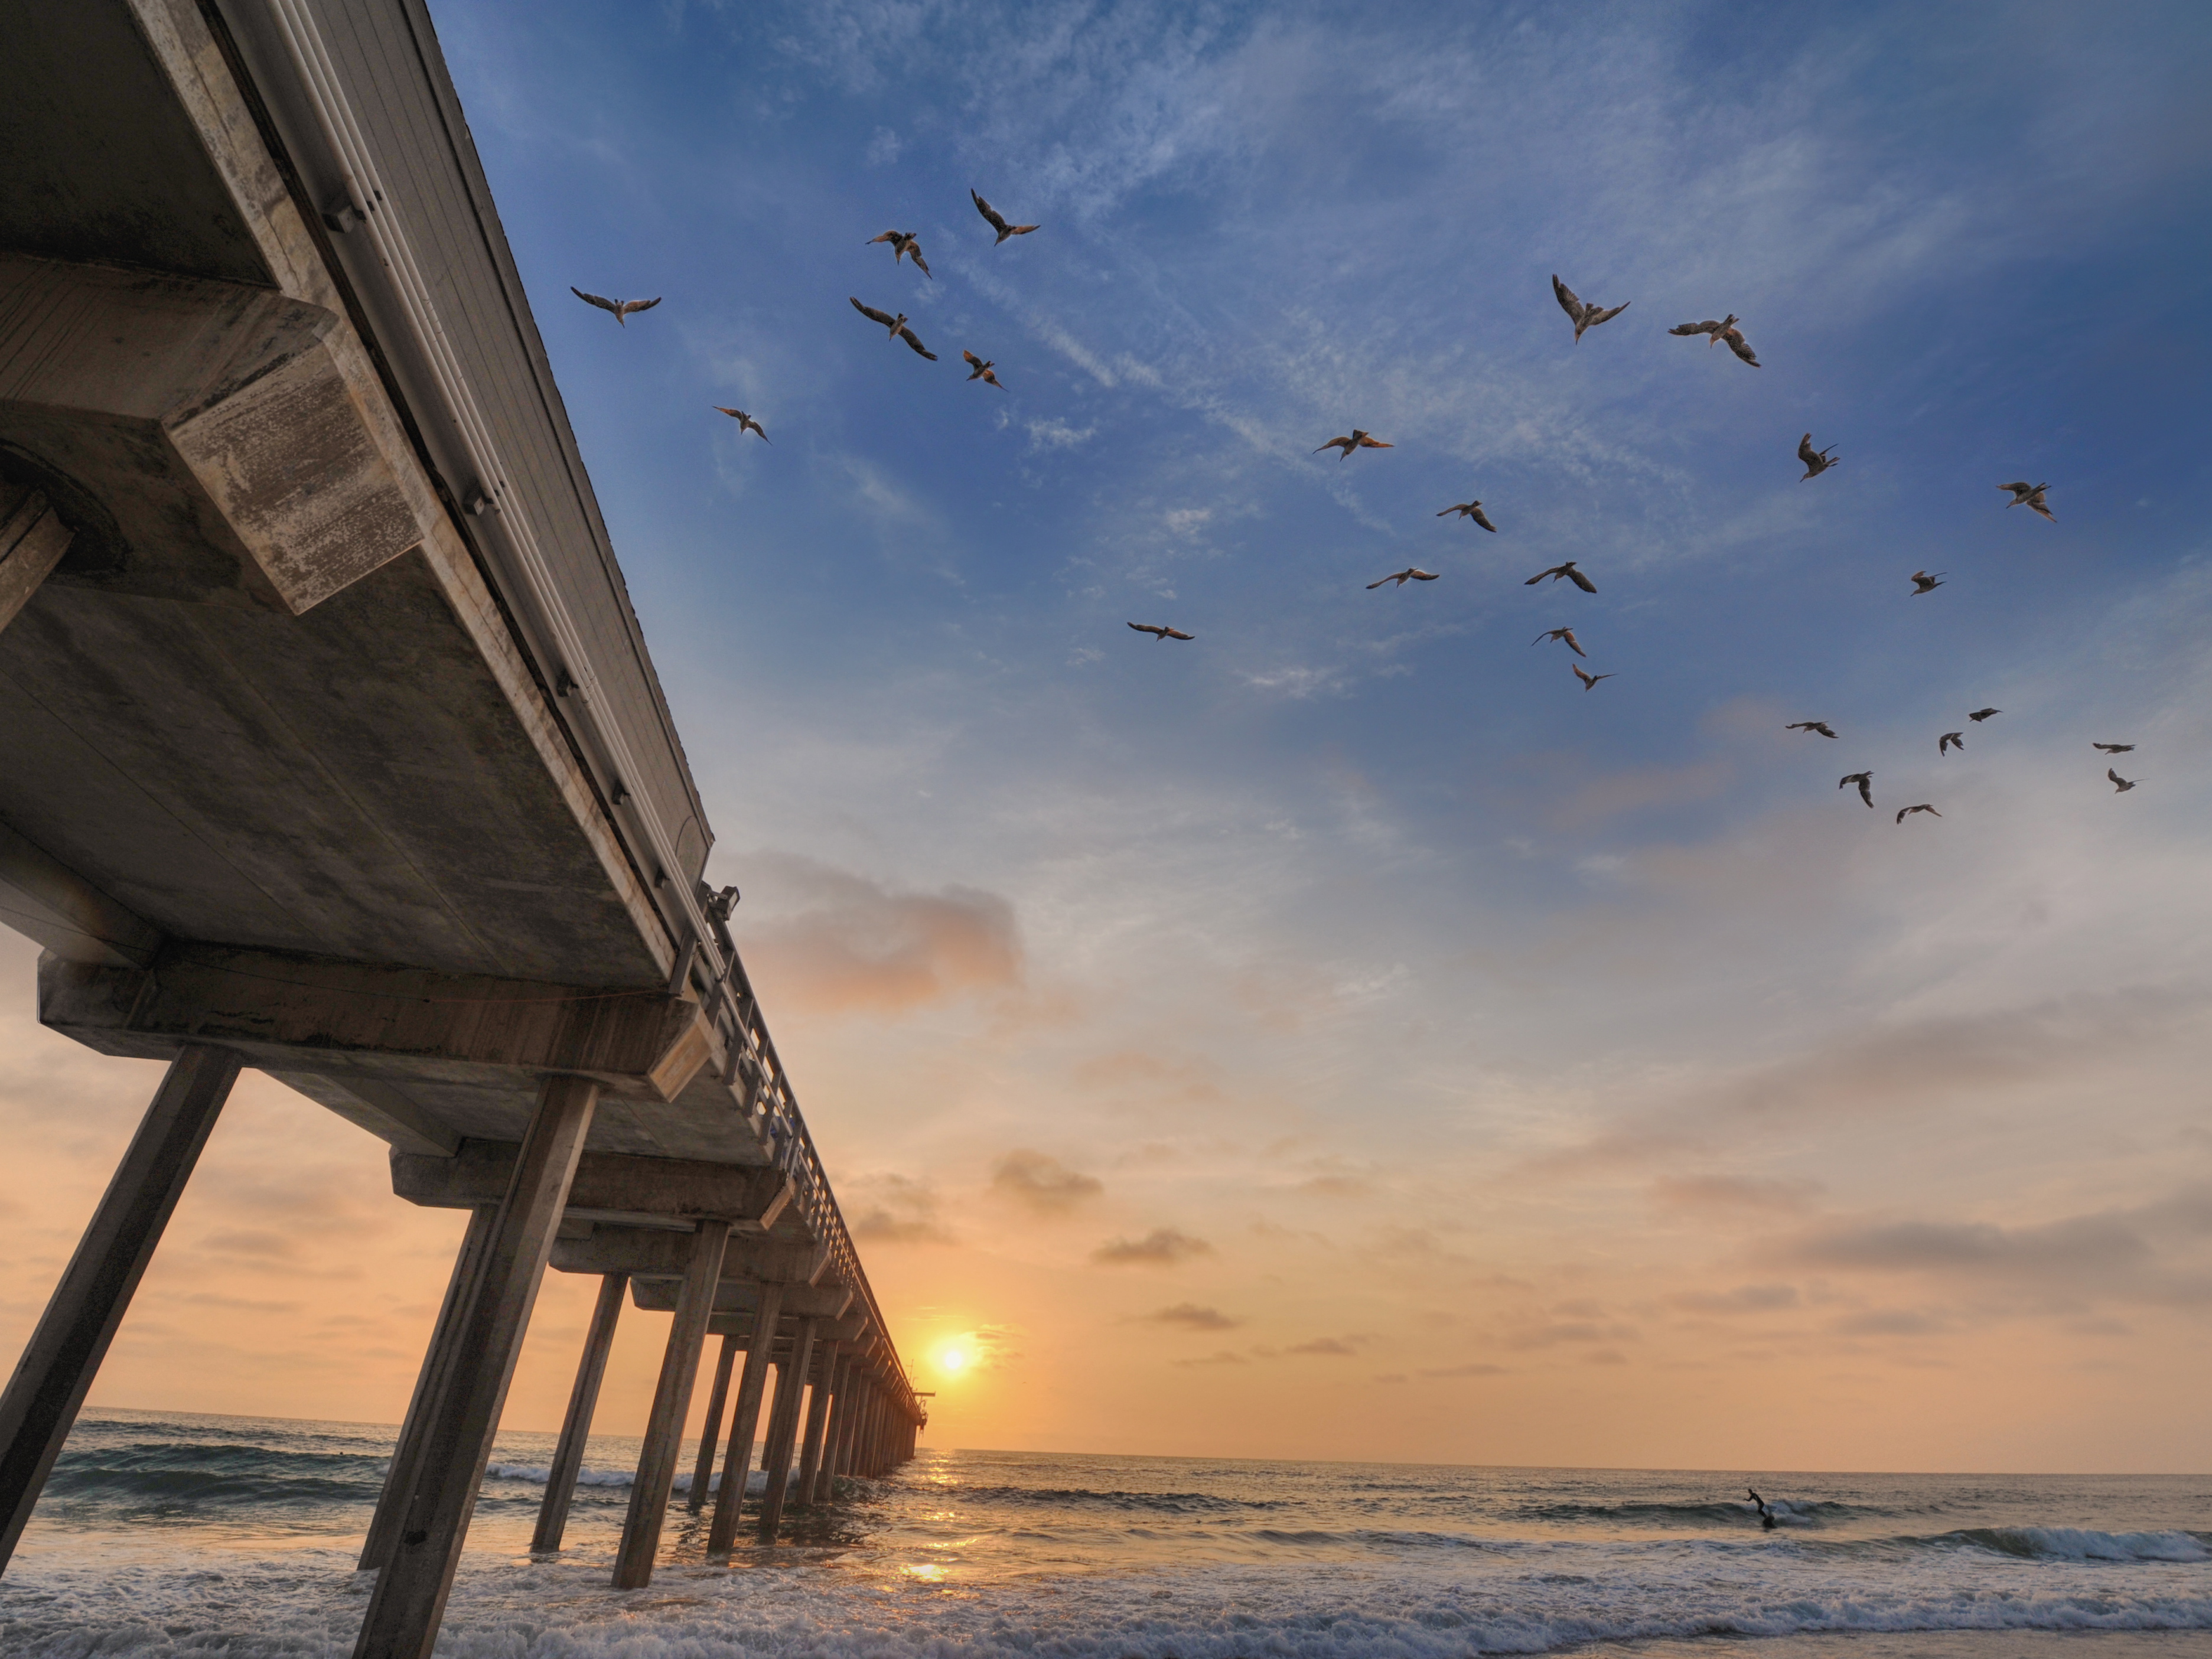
(173, 1534)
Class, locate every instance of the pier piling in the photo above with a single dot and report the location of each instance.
(576, 1426)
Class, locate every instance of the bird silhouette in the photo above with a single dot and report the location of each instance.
(1588, 680)
(1865, 781)
(1817, 461)
(1724, 333)
(1565, 636)
(1904, 812)
(998, 224)
(981, 370)
(1358, 440)
(1584, 317)
(1922, 581)
(897, 326)
(1411, 573)
(1162, 632)
(1981, 714)
(1470, 510)
(1822, 727)
(2120, 785)
(1949, 741)
(2115, 748)
(745, 422)
(1567, 570)
(2031, 497)
(903, 244)
(622, 308)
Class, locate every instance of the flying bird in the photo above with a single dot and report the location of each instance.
(2030, 496)
(1470, 510)
(981, 370)
(998, 224)
(745, 422)
(1358, 440)
(1817, 461)
(622, 308)
(1584, 316)
(1723, 332)
(1981, 714)
(1922, 581)
(1949, 741)
(1865, 781)
(1588, 680)
(2115, 748)
(903, 243)
(1162, 632)
(1822, 727)
(897, 326)
(1904, 812)
(1567, 570)
(1411, 573)
(1565, 636)
(1765, 1515)
(2120, 785)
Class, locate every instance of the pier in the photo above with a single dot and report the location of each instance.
(330, 746)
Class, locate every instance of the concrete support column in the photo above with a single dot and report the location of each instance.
(738, 1461)
(32, 543)
(840, 1411)
(437, 1359)
(576, 1426)
(671, 1404)
(786, 1431)
(71, 1337)
(818, 1423)
(409, 1602)
(710, 1430)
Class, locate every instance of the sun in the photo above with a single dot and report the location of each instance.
(952, 1359)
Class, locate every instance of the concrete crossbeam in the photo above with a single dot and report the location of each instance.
(642, 1192)
(656, 1254)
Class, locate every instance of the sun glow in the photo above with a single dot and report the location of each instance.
(954, 1359)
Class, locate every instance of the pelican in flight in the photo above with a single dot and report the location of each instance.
(1865, 781)
(1904, 812)
(1981, 714)
(997, 222)
(1567, 570)
(903, 243)
(1358, 440)
(1565, 636)
(1817, 461)
(2120, 785)
(897, 326)
(1822, 727)
(1470, 510)
(1724, 333)
(1411, 573)
(1922, 581)
(622, 308)
(1162, 632)
(2115, 748)
(745, 422)
(981, 370)
(1584, 317)
(2031, 497)
(1588, 680)
(1949, 741)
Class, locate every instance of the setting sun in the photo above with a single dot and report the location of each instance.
(952, 1359)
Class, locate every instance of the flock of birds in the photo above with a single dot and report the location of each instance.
(907, 245)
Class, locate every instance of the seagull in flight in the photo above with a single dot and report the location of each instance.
(1949, 741)
(2120, 785)
(981, 370)
(1865, 781)
(1584, 316)
(1411, 573)
(1162, 632)
(1565, 636)
(1904, 812)
(1822, 727)
(2115, 748)
(745, 422)
(997, 222)
(1470, 510)
(1358, 440)
(1723, 332)
(1588, 680)
(2030, 496)
(903, 242)
(1922, 581)
(1817, 461)
(622, 308)
(897, 326)
(1567, 570)
(1981, 714)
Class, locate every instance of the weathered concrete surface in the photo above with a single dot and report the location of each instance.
(33, 539)
(638, 1192)
(652, 1253)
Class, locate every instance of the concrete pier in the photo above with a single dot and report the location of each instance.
(672, 1403)
(818, 1422)
(785, 1431)
(576, 1425)
(710, 1427)
(738, 1461)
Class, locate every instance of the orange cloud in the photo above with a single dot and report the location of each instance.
(1163, 1247)
(1044, 1183)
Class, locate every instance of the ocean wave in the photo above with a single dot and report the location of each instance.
(2081, 1544)
(1787, 1512)
(1163, 1502)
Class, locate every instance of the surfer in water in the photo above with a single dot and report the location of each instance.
(1765, 1515)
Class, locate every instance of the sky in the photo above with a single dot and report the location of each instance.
(1342, 1035)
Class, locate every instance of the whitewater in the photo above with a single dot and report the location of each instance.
(173, 1534)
